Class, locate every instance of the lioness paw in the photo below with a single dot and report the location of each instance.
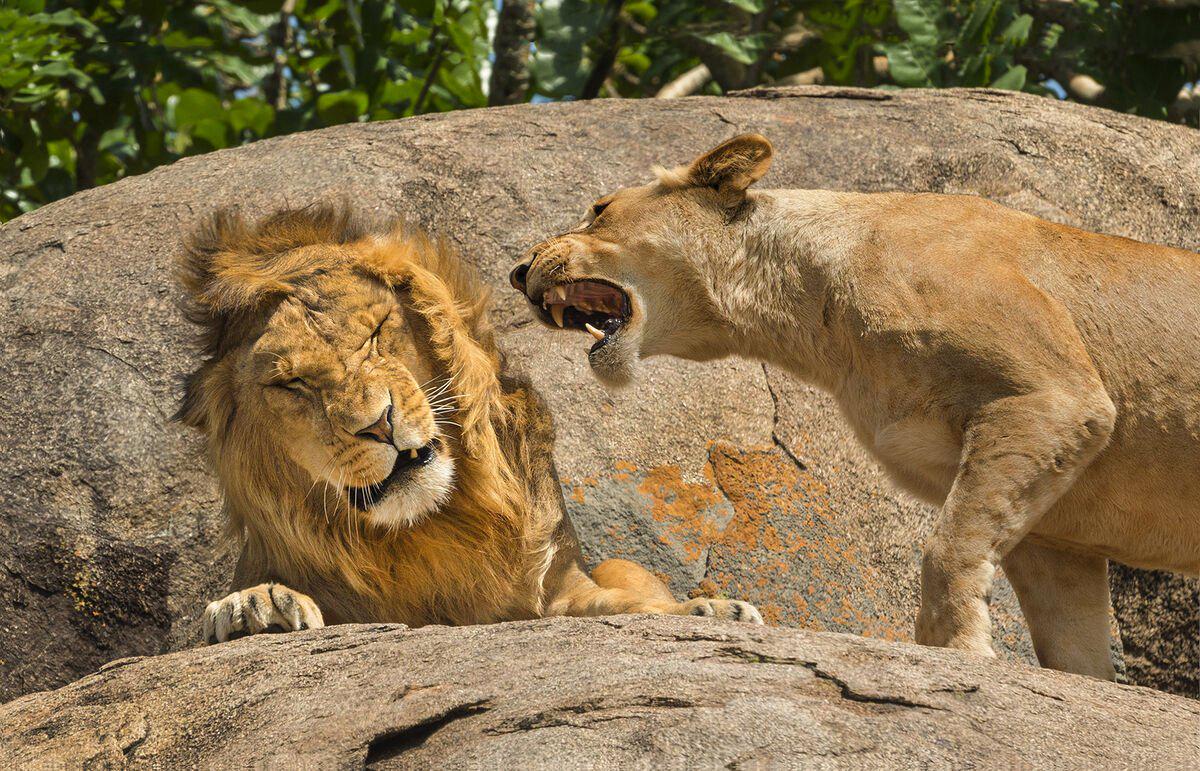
(260, 609)
(728, 610)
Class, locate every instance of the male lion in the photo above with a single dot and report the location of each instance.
(375, 462)
(1040, 383)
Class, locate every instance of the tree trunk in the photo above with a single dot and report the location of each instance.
(515, 28)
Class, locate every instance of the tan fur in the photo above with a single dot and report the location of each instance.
(331, 349)
(1038, 382)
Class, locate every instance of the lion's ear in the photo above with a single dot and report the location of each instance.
(733, 165)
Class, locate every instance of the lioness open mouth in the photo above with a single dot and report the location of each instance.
(365, 498)
(597, 307)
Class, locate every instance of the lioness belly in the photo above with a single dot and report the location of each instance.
(1137, 503)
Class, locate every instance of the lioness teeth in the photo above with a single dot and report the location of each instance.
(557, 312)
(596, 333)
(413, 453)
(560, 293)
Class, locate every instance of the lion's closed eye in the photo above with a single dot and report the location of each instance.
(296, 385)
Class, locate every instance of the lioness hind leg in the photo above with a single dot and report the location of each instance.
(1064, 596)
(1020, 454)
(259, 609)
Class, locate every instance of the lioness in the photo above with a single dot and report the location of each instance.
(375, 461)
(1040, 383)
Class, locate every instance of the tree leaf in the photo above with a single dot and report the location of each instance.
(251, 114)
(741, 49)
(919, 18)
(214, 132)
(1012, 80)
(980, 11)
(749, 6)
(195, 105)
(1017, 33)
(909, 67)
(341, 106)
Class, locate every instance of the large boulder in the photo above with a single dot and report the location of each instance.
(727, 477)
(622, 692)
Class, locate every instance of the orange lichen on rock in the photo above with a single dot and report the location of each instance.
(684, 510)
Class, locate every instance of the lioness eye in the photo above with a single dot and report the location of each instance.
(295, 384)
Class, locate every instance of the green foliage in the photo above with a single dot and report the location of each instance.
(561, 64)
(849, 34)
(94, 90)
(1142, 55)
(972, 43)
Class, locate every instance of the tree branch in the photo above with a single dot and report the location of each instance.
(276, 90)
(686, 84)
(433, 70)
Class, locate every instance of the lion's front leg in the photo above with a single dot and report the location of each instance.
(729, 610)
(1020, 455)
(620, 586)
(259, 609)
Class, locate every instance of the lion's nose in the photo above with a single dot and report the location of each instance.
(380, 430)
(519, 274)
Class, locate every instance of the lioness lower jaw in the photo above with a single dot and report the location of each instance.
(614, 362)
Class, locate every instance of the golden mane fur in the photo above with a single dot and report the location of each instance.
(483, 555)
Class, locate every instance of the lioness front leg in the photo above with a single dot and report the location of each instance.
(620, 586)
(257, 609)
(1020, 454)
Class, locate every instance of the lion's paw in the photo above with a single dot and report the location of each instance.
(260, 609)
(728, 610)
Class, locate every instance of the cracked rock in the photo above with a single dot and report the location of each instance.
(627, 692)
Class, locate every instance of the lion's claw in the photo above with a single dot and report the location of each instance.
(260, 609)
(728, 610)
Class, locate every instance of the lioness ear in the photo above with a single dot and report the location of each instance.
(734, 165)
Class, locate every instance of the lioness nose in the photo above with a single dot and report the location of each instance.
(380, 430)
(517, 277)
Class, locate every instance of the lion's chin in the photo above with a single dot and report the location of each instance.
(406, 505)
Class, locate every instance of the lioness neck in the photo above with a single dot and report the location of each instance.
(778, 287)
